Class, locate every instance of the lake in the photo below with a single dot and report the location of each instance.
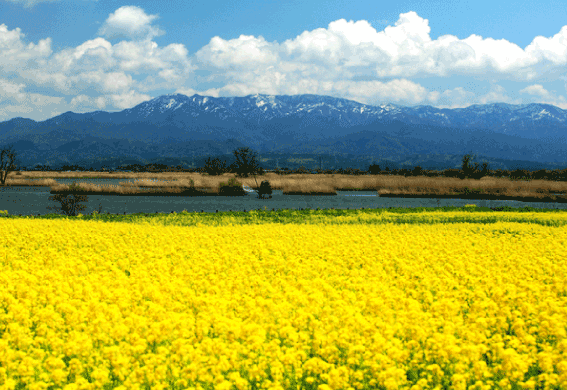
(34, 201)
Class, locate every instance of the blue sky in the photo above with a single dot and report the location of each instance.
(88, 55)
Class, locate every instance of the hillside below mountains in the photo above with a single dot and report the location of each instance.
(182, 127)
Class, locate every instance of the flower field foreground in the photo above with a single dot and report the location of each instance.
(92, 305)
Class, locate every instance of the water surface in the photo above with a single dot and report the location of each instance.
(34, 201)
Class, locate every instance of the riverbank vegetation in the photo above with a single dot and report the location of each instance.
(470, 182)
(265, 215)
(321, 184)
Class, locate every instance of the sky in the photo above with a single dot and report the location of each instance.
(89, 55)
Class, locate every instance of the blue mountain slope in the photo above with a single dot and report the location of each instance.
(300, 122)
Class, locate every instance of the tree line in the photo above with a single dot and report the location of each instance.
(247, 164)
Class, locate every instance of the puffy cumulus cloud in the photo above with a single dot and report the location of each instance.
(497, 94)
(16, 54)
(84, 103)
(451, 98)
(214, 92)
(87, 81)
(11, 92)
(117, 81)
(352, 59)
(14, 102)
(30, 3)
(368, 92)
(93, 54)
(552, 49)
(118, 73)
(536, 89)
(128, 99)
(130, 22)
(373, 92)
(347, 50)
(146, 56)
(544, 96)
(496, 56)
(242, 52)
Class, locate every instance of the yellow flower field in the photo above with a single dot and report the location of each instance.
(370, 304)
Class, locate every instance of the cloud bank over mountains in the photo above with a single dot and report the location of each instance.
(123, 66)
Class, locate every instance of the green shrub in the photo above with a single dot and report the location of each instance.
(215, 167)
(69, 201)
(472, 191)
(232, 188)
(265, 190)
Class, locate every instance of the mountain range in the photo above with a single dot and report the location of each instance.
(183, 127)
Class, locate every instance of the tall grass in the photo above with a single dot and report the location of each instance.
(301, 183)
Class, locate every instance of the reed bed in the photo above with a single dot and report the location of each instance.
(24, 182)
(386, 185)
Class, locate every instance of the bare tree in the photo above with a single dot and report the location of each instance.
(473, 171)
(246, 163)
(215, 167)
(7, 163)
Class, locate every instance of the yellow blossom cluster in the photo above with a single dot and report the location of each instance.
(326, 306)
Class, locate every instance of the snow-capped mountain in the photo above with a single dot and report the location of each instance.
(523, 120)
(306, 123)
(257, 108)
(309, 110)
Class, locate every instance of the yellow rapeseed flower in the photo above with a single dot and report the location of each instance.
(377, 299)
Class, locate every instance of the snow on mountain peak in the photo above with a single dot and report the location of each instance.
(261, 108)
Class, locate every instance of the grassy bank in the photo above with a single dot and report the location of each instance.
(196, 184)
(402, 215)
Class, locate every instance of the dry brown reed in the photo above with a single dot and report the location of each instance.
(175, 182)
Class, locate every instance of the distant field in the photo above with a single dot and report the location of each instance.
(335, 299)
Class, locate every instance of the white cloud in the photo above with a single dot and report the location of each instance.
(451, 98)
(117, 81)
(497, 94)
(93, 75)
(11, 92)
(236, 53)
(372, 92)
(129, 99)
(130, 22)
(100, 102)
(544, 96)
(95, 67)
(552, 49)
(147, 56)
(368, 92)
(84, 103)
(347, 50)
(15, 54)
(93, 54)
(14, 101)
(536, 89)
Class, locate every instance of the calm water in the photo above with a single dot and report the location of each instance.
(34, 201)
